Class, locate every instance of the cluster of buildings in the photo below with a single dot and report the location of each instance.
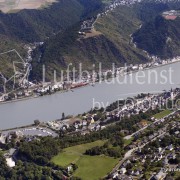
(84, 124)
(49, 88)
(130, 2)
(116, 3)
(133, 166)
(125, 173)
(59, 124)
(136, 106)
(92, 122)
(38, 89)
(155, 62)
(42, 89)
(87, 25)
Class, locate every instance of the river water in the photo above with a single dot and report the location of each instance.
(50, 107)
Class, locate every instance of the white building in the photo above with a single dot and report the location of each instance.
(10, 162)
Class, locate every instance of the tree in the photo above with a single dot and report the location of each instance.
(37, 122)
(63, 116)
(74, 166)
(11, 96)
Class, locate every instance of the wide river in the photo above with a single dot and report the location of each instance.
(47, 108)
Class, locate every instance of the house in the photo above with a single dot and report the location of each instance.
(170, 147)
(3, 139)
(123, 170)
(165, 162)
(159, 149)
(90, 120)
(11, 151)
(9, 158)
(69, 168)
(172, 156)
(10, 162)
(124, 177)
(114, 175)
(159, 157)
(84, 123)
(137, 173)
(160, 176)
(91, 127)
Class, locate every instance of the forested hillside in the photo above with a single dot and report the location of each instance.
(29, 26)
(110, 42)
(36, 25)
(160, 37)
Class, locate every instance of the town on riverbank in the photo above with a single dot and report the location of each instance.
(72, 79)
(72, 82)
(146, 121)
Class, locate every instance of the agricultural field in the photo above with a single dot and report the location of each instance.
(15, 5)
(89, 167)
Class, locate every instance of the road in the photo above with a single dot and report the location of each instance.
(130, 136)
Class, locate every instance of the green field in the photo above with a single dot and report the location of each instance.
(94, 167)
(128, 141)
(162, 114)
(89, 167)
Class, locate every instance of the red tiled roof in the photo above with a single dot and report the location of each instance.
(170, 17)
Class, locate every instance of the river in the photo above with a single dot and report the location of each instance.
(50, 107)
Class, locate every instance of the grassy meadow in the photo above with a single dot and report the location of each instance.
(89, 167)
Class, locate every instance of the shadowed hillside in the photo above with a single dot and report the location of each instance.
(108, 43)
(160, 37)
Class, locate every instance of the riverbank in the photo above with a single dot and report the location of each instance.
(72, 89)
(32, 97)
(48, 108)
